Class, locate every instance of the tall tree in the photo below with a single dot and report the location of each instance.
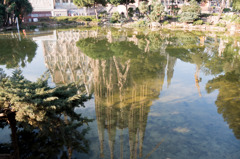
(90, 3)
(47, 114)
(12, 9)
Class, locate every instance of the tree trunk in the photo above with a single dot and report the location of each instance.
(126, 9)
(13, 125)
(221, 10)
(95, 9)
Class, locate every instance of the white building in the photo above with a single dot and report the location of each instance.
(47, 8)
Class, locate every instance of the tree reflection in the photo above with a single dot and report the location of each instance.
(42, 119)
(228, 100)
(126, 71)
(15, 53)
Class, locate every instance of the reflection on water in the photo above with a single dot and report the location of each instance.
(127, 70)
(15, 52)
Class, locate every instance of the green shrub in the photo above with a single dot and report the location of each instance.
(165, 22)
(115, 17)
(215, 14)
(44, 19)
(157, 12)
(130, 12)
(205, 15)
(226, 10)
(169, 16)
(208, 23)
(221, 24)
(198, 22)
(32, 27)
(190, 12)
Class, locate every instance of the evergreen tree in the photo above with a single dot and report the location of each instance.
(43, 112)
(191, 12)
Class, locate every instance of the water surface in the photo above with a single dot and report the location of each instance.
(156, 94)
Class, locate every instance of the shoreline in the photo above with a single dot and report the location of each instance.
(173, 26)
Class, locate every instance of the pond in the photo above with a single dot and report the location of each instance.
(156, 94)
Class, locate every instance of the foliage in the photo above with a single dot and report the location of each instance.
(165, 22)
(120, 2)
(232, 18)
(226, 10)
(140, 23)
(46, 115)
(90, 3)
(236, 5)
(169, 16)
(14, 53)
(143, 7)
(221, 24)
(13, 9)
(191, 12)
(66, 19)
(157, 12)
(115, 17)
(130, 12)
(198, 22)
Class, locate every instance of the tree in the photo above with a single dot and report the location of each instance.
(90, 3)
(157, 11)
(122, 2)
(191, 12)
(236, 5)
(43, 112)
(143, 8)
(12, 9)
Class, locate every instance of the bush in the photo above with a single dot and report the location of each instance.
(157, 12)
(130, 12)
(221, 24)
(208, 23)
(226, 10)
(140, 23)
(165, 22)
(115, 17)
(198, 22)
(205, 15)
(190, 12)
(65, 19)
(169, 16)
(44, 19)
